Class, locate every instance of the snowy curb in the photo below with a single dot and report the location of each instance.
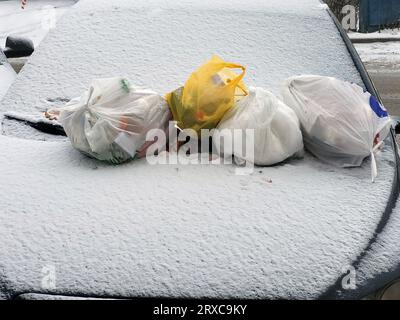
(383, 36)
(371, 40)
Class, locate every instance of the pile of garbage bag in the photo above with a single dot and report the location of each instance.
(336, 121)
(207, 95)
(110, 121)
(341, 123)
(276, 129)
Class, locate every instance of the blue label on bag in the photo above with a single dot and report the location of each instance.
(376, 106)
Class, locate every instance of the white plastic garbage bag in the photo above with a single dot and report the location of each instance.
(341, 123)
(277, 134)
(110, 121)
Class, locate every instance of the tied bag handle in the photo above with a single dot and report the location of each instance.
(236, 81)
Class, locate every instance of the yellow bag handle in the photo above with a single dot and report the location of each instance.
(238, 78)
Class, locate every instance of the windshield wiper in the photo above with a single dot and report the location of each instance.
(43, 125)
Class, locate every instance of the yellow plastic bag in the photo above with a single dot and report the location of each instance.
(207, 95)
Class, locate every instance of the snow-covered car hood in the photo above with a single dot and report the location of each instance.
(136, 230)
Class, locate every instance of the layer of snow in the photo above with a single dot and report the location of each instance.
(157, 44)
(377, 54)
(7, 77)
(386, 33)
(380, 265)
(32, 22)
(382, 261)
(179, 231)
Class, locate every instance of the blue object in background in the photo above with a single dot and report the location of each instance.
(376, 13)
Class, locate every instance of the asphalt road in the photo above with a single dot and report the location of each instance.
(382, 60)
(388, 85)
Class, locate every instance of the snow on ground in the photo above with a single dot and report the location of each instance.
(386, 33)
(179, 231)
(33, 21)
(378, 55)
(382, 60)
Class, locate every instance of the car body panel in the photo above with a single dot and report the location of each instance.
(74, 226)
